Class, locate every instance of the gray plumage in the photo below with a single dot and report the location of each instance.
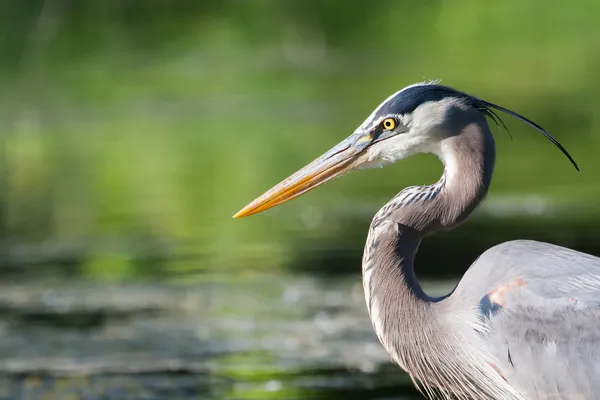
(524, 321)
(541, 342)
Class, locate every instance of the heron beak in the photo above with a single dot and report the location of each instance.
(335, 162)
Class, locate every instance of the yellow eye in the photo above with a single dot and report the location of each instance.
(388, 123)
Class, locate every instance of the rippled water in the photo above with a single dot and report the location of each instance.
(266, 337)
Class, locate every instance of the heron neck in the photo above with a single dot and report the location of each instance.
(468, 160)
(392, 290)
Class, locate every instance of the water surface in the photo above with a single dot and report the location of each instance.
(261, 337)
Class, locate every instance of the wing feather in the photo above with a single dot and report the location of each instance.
(541, 307)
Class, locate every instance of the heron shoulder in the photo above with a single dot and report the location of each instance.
(532, 272)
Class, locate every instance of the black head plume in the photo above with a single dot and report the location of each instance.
(487, 109)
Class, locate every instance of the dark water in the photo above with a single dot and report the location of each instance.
(265, 337)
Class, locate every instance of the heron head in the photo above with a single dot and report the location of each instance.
(413, 120)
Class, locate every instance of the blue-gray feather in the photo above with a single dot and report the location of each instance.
(546, 334)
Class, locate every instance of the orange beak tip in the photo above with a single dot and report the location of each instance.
(240, 214)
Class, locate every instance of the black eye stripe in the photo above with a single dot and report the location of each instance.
(375, 133)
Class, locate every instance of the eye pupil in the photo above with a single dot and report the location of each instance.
(389, 123)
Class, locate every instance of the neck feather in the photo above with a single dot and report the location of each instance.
(468, 160)
(412, 326)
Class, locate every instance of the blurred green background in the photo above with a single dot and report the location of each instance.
(133, 130)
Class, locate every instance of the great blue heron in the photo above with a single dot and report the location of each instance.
(523, 322)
